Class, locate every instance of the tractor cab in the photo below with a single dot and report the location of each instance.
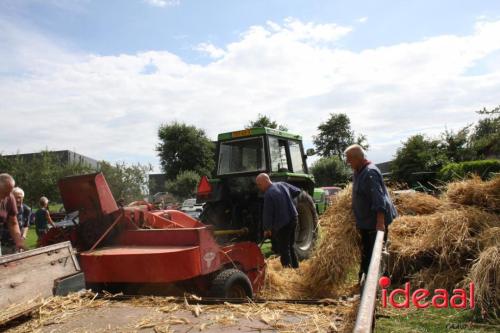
(252, 151)
(232, 198)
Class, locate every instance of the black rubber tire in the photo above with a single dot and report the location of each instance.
(231, 283)
(307, 226)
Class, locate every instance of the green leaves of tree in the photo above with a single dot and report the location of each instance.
(335, 135)
(182, 148)
(265, 121)
(330, 171)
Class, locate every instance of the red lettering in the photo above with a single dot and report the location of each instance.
(458, 294)
(419, 295)
(405, 292)
(441, 294)
(384, 298)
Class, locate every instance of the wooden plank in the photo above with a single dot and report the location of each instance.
(29, 276)
(365, 317)
(25, 254)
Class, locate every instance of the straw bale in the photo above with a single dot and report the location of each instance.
(447, 239)
(337, 250)
(416, 203)
(485, 273)
(475, 192)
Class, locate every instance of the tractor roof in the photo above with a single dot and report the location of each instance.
(257, 131)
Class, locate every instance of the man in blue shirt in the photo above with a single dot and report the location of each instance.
(372, 206)
(280, 216)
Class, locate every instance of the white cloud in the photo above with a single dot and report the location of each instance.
(363, 19)
(163, 3)
(210, 49)
(108, 107)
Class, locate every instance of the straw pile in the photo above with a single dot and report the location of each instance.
(435, 243)
(325, 274)
(337, 251)
(457, 243)
(475, 192)
(485, 273)
(416, 203)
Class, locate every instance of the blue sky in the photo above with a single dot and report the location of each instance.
(109, 27)
(107, 73)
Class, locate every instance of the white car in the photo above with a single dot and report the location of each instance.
(190, 205)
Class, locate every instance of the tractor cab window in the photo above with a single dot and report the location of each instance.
(279, 160)
(243, 155)
(296, 157)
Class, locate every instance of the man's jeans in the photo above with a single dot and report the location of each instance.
(285, 238)
(368, 237)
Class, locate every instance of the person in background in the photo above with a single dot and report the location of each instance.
(372, 206)
(23, 219)
(280, 217)
(42, 218)
(8, 215)
(23, 211)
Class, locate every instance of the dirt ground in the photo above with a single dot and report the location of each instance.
(84, 313)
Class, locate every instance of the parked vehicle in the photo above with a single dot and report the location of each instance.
(190, 205)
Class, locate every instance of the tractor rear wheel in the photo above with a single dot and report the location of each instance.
(231, 283)
(307, 226)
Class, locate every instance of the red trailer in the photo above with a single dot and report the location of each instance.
(140, 246)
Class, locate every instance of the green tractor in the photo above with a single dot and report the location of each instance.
(232, 200)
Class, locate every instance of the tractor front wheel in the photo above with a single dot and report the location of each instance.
(307, 226)
(231, 283)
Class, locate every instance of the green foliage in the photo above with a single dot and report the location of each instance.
(184, 185)
(335, 135)
(418, 160)
(183, 147)
(485, 139)
(129, 182)
(482, 168)
(265, 121)
(330, 171)
(456, 145)
(38, 175)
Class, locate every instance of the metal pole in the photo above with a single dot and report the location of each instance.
(239, 232)
(366, 311)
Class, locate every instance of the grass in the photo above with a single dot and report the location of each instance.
(430, 320)
(266, 248)
(31, 238)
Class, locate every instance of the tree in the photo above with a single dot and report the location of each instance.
(184, 185)
(265, 121)
(418, 160)
(335, 135)
(38, 175)
(485, 139)
(456, 145)
(183, 147)
(129, 182)
(330, 171)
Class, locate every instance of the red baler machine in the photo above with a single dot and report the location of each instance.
(140, 247)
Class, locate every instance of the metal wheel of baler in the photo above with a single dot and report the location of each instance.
(231, 283)
(307, 226)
